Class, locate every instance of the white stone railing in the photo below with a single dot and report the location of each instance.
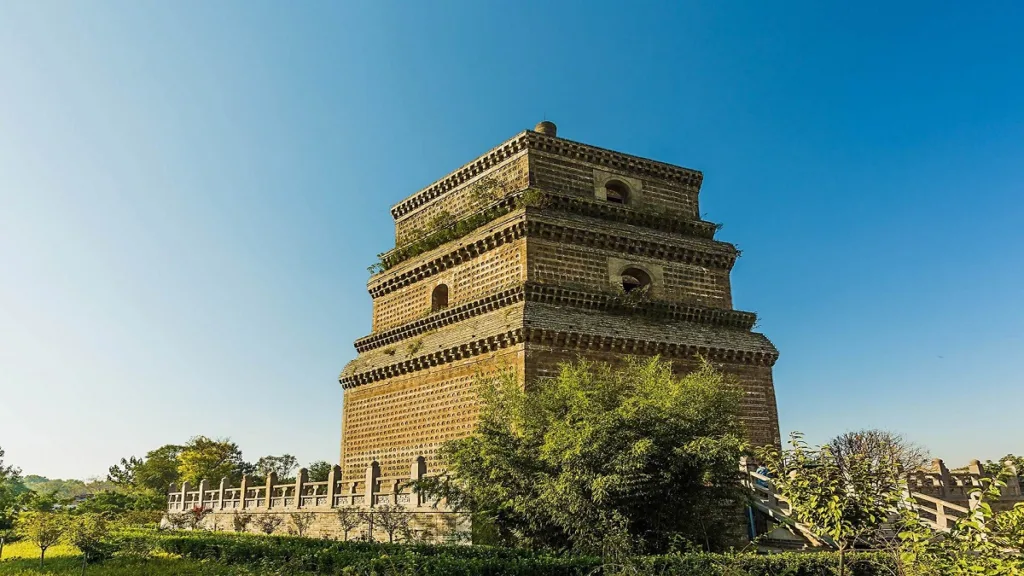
(373, 490)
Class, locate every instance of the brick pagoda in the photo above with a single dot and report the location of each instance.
(541, 251)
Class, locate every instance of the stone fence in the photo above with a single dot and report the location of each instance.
(372, 491)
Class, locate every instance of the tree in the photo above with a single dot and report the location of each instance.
(348, 518)
(391, 519)
(44, 529)
(240, 521)
(283, 465)
(319, 471)
(155, 472)
(843, 499)
(203, 458)
(13, 493)
(601, 459)
(88, 533)
(267, 523)
(879, 447)
(302, 521)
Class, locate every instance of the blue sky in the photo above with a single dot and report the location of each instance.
(190, 193)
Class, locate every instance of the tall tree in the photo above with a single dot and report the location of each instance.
(600, 458)
(319, 471)
(879, 447)
(845, 499)
(283, 465)
(12, 497)
(155, 472)
(204, 458)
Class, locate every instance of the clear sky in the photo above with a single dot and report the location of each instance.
(190, 193)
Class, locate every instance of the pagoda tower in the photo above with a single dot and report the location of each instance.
(541, 251)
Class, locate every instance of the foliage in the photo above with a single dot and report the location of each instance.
(195, 515)
(301, 521)
(12, 495)
(293, 555)
(1017, 461)
(154, 473)
(267, 523)
(882, 448)
(425, 241)
(389, 518)
(601, 460)
(203, 458)
(845, 500)
(65, 489)
(90, 533)
(319, 471)
(44, 529)
(283, 465)
(240, 521)
(348, 519)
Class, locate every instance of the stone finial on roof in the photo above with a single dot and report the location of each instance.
(546, 127)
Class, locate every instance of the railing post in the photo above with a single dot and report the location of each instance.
(300, 479)
(940, 516)
(944, 478)
(332, 485)
(1012, 481)
(184, 493)
(204, 486)
(271, 480)
(242, 489)
(977, 472)
(220, 494)
(372, 473)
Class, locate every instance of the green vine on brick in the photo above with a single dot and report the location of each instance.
(454, 230)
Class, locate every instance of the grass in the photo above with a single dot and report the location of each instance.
(22, 559)
(71, 566)
(23, 549)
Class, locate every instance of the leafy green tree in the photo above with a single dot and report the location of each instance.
(843, 499)
(203, 457)
(319, 471)
(601, 459)
(155, 472)
(13, 494)
(89, 533)
(44, 529)
(283, 465)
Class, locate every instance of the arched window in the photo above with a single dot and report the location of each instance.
(635, 279)
(439, 298)
(616, 192)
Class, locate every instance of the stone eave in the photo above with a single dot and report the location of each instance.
(563, 296)
(567, 148)
(564, 339)
(559, 227)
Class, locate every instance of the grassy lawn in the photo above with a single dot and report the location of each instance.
(22, 559)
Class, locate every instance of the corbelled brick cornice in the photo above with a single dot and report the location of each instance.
(564, 340)
(534, 223)
(561, 296)
(552, 145)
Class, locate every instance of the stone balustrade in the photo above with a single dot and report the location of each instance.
(371, 491)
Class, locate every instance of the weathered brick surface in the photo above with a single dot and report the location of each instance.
(395, 420)
(540, 286)
(510, 175)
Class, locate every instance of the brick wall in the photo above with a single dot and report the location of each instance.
(588, 268)
(511, 175)
(571, 176)
(395, 420)
(489, 272)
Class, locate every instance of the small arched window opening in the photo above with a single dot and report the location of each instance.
(439, 298)
(616, 192)
(635, 279)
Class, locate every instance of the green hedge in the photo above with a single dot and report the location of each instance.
(331, 557)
